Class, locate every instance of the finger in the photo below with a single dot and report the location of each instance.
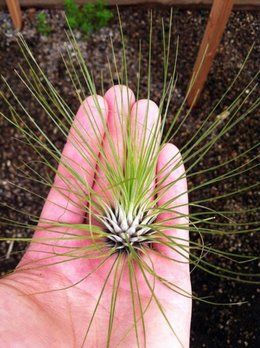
(145, 126)
(120, 100)
(65, 202)
(173, 197)
(145, 129)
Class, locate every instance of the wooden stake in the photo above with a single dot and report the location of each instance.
(217, 21)
(15, 13)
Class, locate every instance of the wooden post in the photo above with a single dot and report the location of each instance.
(217, 21)
(15, 13)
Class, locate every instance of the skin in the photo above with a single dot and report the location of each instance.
(33, 316)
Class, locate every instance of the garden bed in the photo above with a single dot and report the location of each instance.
(183, 3)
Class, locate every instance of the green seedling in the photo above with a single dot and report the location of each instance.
(42, 24)
(89, 17)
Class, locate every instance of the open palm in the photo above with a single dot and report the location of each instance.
(56, 300)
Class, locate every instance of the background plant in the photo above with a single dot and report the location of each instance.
(89, 17)
(42, 24)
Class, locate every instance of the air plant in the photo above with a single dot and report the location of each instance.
(123, 200)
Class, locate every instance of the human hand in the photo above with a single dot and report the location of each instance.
(60, 295)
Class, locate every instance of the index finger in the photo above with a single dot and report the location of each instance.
(66, 199)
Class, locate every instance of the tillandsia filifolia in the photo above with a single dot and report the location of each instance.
(110, 254)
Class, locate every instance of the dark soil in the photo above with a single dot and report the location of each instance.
(212, 326)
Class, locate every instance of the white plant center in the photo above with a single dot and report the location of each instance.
(124, 229)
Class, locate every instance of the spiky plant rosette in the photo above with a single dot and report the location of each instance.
(117, 215)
